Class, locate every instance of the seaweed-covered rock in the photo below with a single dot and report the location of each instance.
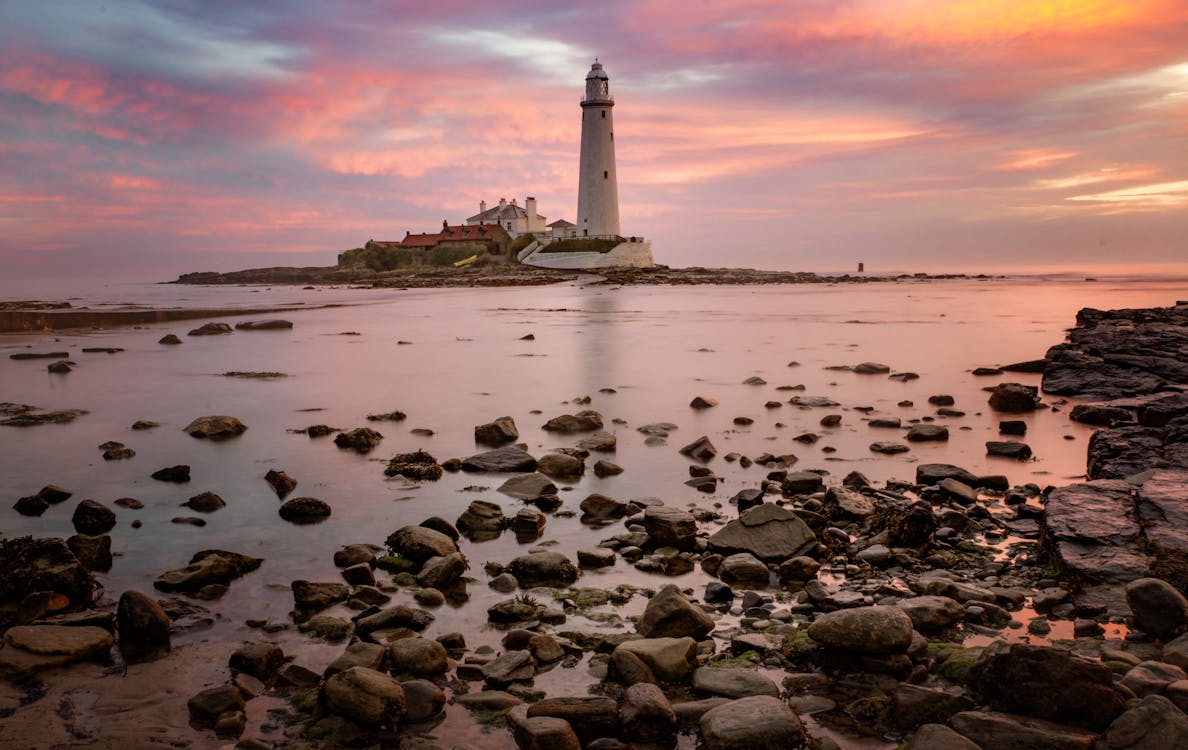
(216, 427)
(360, 439)
(31, 565)
(419, 466)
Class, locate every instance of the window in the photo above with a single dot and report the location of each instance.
(604, 114)
(605, 174)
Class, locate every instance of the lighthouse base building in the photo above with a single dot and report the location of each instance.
(596, 240)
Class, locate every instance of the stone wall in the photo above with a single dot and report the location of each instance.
(625, 254)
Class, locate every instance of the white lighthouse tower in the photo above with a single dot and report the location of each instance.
(598, 187)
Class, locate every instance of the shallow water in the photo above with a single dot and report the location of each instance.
(463, 363)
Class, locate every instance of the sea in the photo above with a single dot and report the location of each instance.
(451, 359)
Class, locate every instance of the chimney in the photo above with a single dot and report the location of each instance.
(482, 207)
(502, 202)
(530, 207)
(444, 225)
(513, 201)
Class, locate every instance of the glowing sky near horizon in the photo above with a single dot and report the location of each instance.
(150, 137)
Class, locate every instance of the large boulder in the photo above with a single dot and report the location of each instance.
(360, 439)
(733, 682)
(1014, 398)
(506, 459)
(419, 657)
(528, 487)
(216, 427)
(591, 717)
(442, 573)
(647, 716)
(670, 527)
(756, 723)
(767, 531)
(560, 465)
(543, 569)
(93, 518)
(418, 543)
(1047, 683)
(418, 466)
(668, 659)
(217, 567)
(33, 565)
(872, 630)
(30, 649)
(496, 432)
(1159, 608)
(94, 552)
(1152, 724)
(583, 421)
(365, 696)
(144, 628)
(670, 615)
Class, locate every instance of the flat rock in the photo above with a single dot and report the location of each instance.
(753, 723)
(991, 730)
(583, 421)
(1091, 530)
(506, 459)
(30, 649)
(733, 682)
(767, 531)
(669, 659)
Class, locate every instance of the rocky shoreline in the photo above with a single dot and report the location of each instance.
(500, 274)
(948, 612)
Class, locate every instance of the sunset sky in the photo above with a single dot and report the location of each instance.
(144, 138)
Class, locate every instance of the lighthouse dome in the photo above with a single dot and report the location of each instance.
(596, 71)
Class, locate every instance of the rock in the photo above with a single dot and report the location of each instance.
(33, 505)
(1163, 507)
(506, 459)
(874, 630)
(365, 696)
(31, 649)
(114, 451)
(912, 526)
(35, 565)
(1101, 415)
(1012, 427)
(598, 507)
(930, 474)
(668, 659)
(528, 487)
(1014, 398)
(1047, 683)
(209, 705)
(417, 466)
(261, 660)
(394, 617)
(1159, 608)
(390, 416)
(871, 368)
(215, 427)
(598, 557)
(94, 552)
(543, 569)
(501, 430)
(305, 510)
(420, 657)
(990, 730)
(360, 439)
(528, 523)
(280, 482)
(583, 421)
(93, 518)
(179, 474)
(733, 682)
(801, 568)
(206, 568)
(700, 449)
(482, 520)
(646, 716)
(591, 717)
(264, 325)
(767, 531)
(932, 614)
(423, 701)
(669, 614)
(418, 543)
(702, 402)
(1152, 724)
(841, 503)
(169, 338)
(923, 433)
(745, 568)
(1008, 449)
(959, 491)
(670, 527)
(313, 596)
(358, 654)
(560, 465)
(205, 502)
(754, 723)
(509, 667)
(541, 732)
(442, 573)
(1091, 532)
(210, 329)
(1150, 677)
(606, 469)
(938, 737)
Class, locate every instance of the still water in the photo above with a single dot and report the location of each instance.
(454, 358)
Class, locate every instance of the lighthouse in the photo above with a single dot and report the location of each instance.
(598, 187)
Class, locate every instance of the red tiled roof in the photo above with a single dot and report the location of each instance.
(448, 233)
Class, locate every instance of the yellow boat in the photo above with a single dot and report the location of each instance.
(466, 261)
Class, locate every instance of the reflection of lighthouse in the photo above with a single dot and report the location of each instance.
(598, 191)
